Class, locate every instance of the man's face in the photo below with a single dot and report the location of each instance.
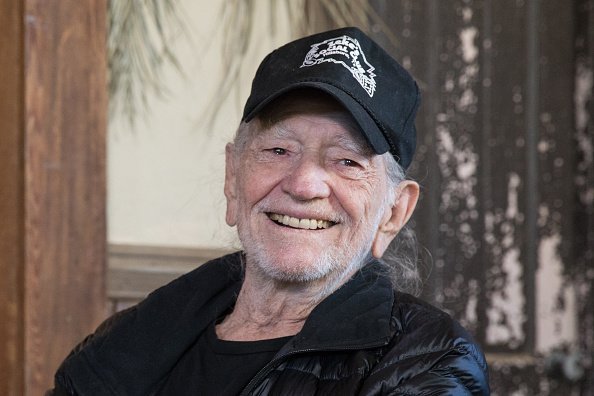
(307, 195)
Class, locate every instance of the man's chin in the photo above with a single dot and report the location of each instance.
(326, 269)
(294, 271)
(293, 267)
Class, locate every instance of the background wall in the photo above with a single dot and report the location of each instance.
(165, 176)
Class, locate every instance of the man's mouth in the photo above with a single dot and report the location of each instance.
(294, 222)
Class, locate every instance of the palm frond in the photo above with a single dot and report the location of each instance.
(140, 34)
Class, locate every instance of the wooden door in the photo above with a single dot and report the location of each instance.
(53, 105)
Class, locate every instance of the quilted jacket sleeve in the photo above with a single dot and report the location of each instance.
(457, 371)
(62, 384)
(431, 354)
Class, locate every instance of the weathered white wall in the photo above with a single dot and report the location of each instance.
(165, 178)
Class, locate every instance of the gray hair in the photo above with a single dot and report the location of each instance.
(401, 258)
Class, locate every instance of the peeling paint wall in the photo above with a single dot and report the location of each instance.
(583, 97)
(506, 312)
(457, 164)
(556, 311)
(582, 273)
(506, 162)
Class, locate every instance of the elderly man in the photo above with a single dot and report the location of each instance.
(315, 185)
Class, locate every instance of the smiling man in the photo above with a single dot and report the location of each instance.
(315, 184)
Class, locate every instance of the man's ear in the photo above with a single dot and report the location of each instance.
(230, 185)
(395, 217)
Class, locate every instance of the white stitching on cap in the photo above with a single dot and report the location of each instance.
(348, 48)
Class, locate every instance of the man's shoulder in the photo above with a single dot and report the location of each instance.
(428, 326)
(227, 268)
(132, 349)
(430, 347)
(411, 312)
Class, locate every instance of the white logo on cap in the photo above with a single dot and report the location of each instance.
(347, 52)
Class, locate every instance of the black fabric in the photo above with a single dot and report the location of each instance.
(216, 367)
(133, 354)
(364, 339)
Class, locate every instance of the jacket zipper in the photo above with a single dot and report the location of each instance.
(268, 369)
(276, 361)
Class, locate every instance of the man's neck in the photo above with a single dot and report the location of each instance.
(267, 309)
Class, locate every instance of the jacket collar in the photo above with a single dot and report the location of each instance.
(357, 315)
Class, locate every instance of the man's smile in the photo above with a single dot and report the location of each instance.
(294, 222)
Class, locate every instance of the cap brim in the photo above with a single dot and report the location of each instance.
(369, 128)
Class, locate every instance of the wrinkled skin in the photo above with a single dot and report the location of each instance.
(316, 167)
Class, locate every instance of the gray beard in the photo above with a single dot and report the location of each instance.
(332, 267)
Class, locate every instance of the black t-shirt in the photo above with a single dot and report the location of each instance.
(216, 367)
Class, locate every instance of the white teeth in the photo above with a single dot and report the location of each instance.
(306, 224)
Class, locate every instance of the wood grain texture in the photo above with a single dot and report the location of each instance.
(11, 199)
(134, 271)
(65, 123)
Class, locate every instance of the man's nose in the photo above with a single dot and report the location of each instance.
(308, 180)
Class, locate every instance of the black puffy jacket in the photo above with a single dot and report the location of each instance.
(364, 339)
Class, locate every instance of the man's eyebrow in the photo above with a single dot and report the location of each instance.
(356, 145)
(280, 132)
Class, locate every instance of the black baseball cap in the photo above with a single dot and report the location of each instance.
(380, 94)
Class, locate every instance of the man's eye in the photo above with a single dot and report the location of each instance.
(349, 162)
(279, 151)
